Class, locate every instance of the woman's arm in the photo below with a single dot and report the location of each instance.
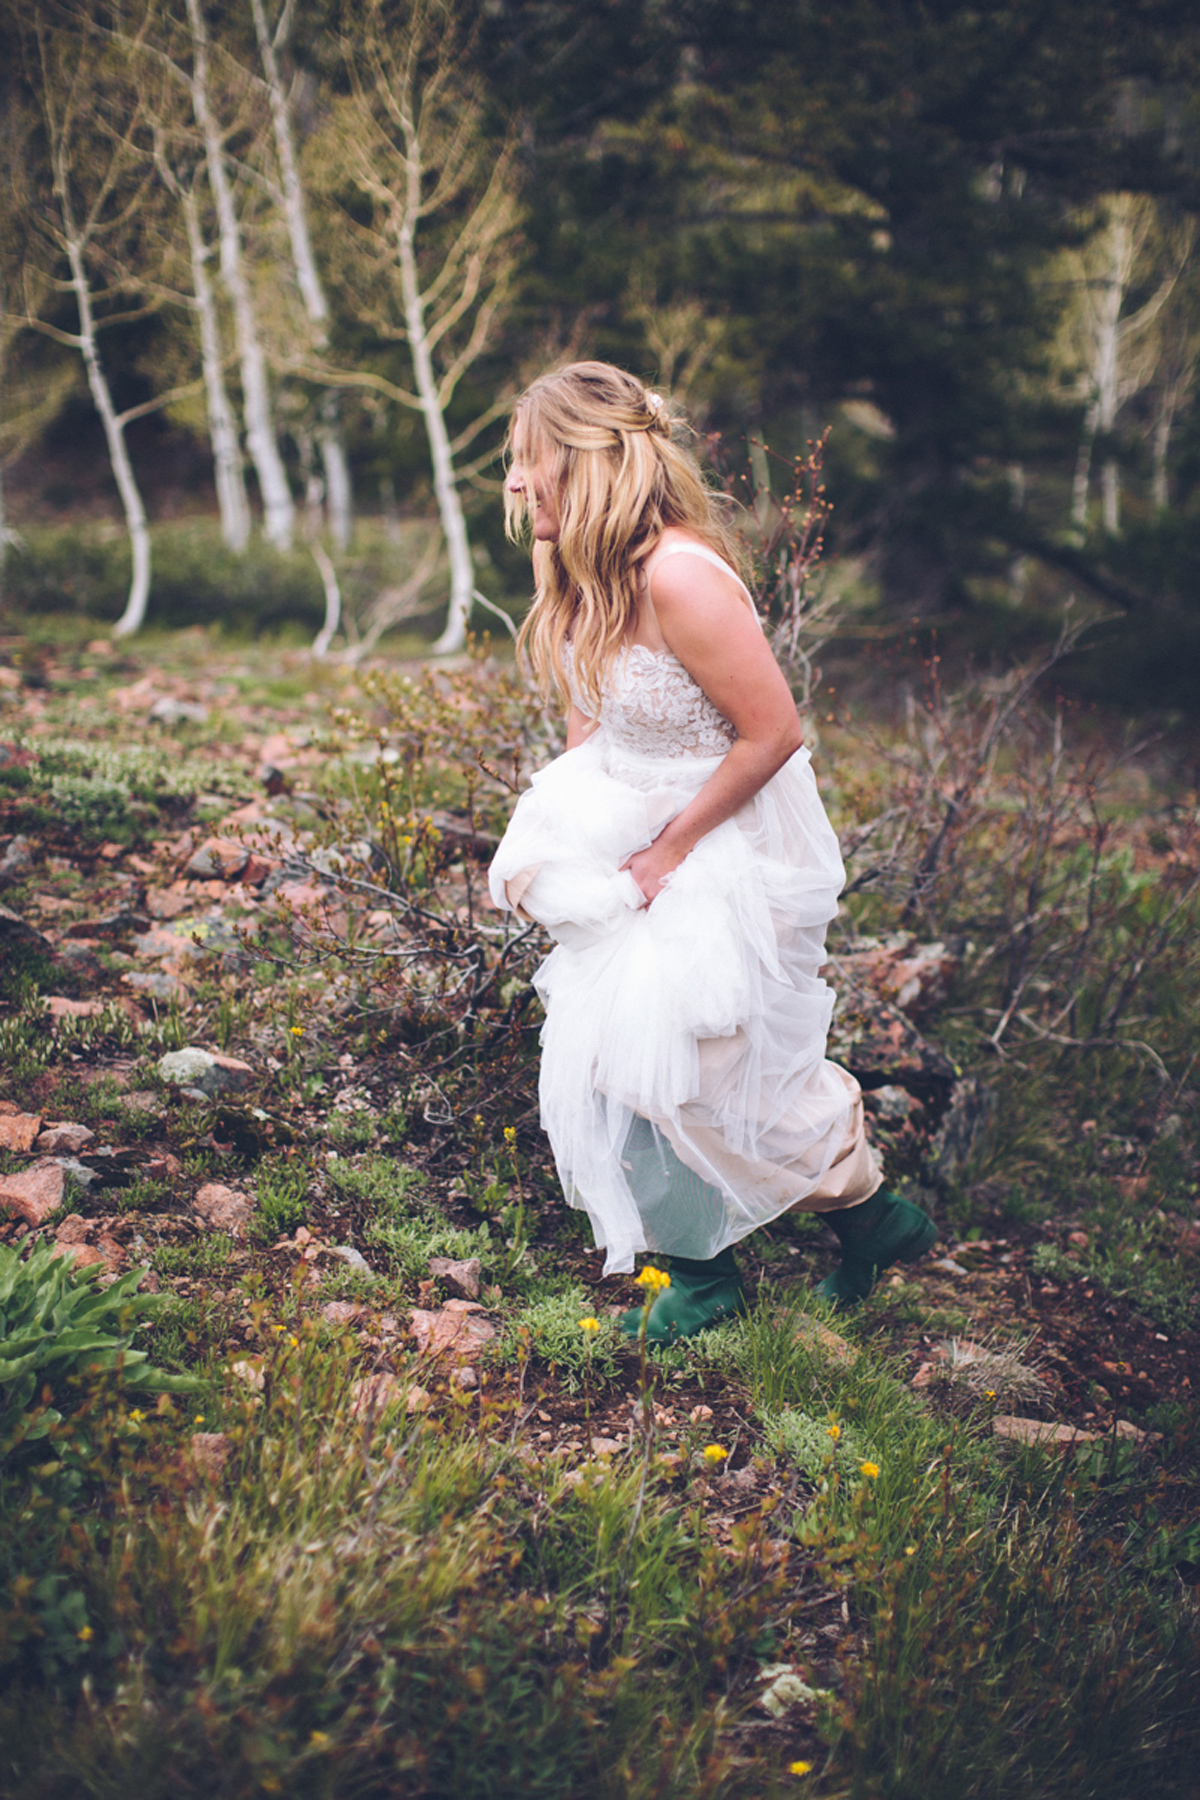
(579, 727)
(705, 622)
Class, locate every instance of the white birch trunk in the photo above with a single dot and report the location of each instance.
(454, 524)
(1160, 487)
(279, 513)
(135, 513)
(338, 493)
(1083, 469)
(227, 456)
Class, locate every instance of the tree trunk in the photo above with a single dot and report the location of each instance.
(1107, 366)
(338, 494)
(279, 513)
(227, 457)
(114, 432)
(454, 524)
(1083, 469)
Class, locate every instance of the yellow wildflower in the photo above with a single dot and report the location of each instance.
(590, 1325)
(653, 1280)
(835, 1432)
(296, 1030)
(199, 1419)
(319, 1737)
(713, 1453)
(510, 1135)
(800, 1768)
(86, 1634)
(910, 1549)
(870, 1470)
(989, 1393)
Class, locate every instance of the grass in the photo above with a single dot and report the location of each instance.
(430, 1602)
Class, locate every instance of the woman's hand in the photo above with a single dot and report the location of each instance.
(650, 867)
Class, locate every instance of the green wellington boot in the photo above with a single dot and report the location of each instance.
(701, 1294)
(883, 1230)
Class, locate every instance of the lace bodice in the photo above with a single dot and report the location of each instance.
(650, 705)
(653, 707)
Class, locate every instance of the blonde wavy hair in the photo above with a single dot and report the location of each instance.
(621, 477)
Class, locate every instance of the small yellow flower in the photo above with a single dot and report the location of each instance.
(86, 1635)
(136, 1416)
(713, 1453)
(199, 1419)
(910, 1549)
(870, 1470)
(590, 1325)
(510, 1135)
(835, 1432)
(477, 1121)
(296, 1030)
(989, 1393)
(653, 1280)
(294, 1342)
(800, 1768)
(319, 1737)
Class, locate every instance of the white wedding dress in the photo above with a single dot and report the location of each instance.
(684, 1084)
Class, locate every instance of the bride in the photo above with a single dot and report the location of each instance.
(679, 854)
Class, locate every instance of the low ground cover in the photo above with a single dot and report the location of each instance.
(415, 1529)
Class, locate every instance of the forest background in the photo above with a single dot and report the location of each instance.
(962, 238)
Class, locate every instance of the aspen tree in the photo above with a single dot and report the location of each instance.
(92, 113)
(435, 258)
(338, 497)
(279, 512)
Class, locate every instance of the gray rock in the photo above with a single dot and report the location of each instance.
(17, 861)
(354, 1257)
(204, 1072)
(169, 711)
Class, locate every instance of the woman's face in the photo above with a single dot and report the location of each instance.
(535, 480)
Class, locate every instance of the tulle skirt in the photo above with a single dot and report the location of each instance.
(684, 1085)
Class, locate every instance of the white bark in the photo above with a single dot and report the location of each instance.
(279, 513)
(454, 524)
(333, 601)
(338, 493)
(222, 430)
(114, 431)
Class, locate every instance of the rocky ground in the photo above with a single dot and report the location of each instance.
(171, 1101)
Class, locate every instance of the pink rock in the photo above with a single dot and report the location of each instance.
(217, 858)
(35, 1192)
(458, 1329)
(1042, 1432)
(75, 1229)
(464, 1275)
(168, 903)
(18, 1130)
(222, 1208)
(238, 1074)
(208, 1453)
(342, 1312)
(377, 1394)
(61, 1008)
(64, 1138)
(162, 1166)
(85, 1256)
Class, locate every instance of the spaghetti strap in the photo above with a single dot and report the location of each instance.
(662, 552)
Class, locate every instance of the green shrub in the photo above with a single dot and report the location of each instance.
(281, 1191)
(550, 1328)
(92, 803)
(55, 1323)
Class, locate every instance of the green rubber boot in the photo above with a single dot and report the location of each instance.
(882, 1231)
(701, 1294)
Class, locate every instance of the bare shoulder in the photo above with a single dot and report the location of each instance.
(681, 583)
